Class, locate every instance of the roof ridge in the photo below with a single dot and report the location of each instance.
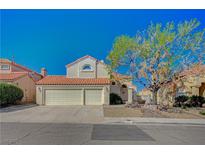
(19, 72)
(12, 76)
(62, 80)
(79, 59)
(5, 60)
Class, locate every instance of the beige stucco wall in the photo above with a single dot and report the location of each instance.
(122, 92)
(28, 87)
(99, 70)
(75, 70)
(115, 89)
(87, 74)
(130, 95)
(72, 71)
(40, 91)
(102, 71)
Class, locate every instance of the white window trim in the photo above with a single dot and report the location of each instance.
(91, 70)
(8, 67)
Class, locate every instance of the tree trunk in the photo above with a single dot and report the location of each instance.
(154, 97)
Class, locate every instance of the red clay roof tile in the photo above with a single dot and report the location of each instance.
(195, 70)
(62, 80)
(6, 61)
(12, 76)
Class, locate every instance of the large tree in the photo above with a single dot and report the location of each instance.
(156, 55)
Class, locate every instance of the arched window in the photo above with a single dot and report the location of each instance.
(124, 86)
(87, 67)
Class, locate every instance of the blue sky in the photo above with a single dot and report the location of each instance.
(54, 38)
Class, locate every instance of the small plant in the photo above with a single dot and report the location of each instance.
(197, 101)
(202, 112)
(115, 99)
(185, 101)
(180, 101)
(9, 94)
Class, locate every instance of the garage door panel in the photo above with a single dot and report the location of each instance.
(93, 97)
(63, 97)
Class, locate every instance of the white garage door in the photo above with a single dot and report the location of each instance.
(63, 97)
(93, 97)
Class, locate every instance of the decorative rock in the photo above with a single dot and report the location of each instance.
(148, 101)
(133, 105)
(150, 106)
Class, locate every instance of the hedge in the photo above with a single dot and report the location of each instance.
(185, 101)
(9, 94)
(115, 99)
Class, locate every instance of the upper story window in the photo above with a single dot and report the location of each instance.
(124, 86)
(87, 67)
(5, 67)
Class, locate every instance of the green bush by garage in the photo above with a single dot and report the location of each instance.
(115, 99)
(10, 94)
(185, 101)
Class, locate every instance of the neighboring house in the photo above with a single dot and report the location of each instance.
(189, 82)
(11, 72)
(87, 82)
(145, 94)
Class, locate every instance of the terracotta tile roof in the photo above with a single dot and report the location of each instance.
(12, 76)
(6, 61)
(62, 80)
(131, 85)
(195, 70)
(118, 76)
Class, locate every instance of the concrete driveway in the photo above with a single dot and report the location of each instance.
(52, 114)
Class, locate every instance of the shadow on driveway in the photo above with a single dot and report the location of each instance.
(14, 108)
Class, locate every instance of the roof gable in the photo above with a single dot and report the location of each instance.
(7, 61)
(83, 58)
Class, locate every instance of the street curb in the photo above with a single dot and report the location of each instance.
(161, 121)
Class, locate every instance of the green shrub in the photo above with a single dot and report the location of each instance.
(9, 94)
(202, 112)
(180, 101)
(185, 101)
(115, 99)
(197, 101)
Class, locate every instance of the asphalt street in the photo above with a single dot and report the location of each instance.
(70, 133)
(41, 125)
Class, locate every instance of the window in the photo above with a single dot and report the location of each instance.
(87, 68)
(124, 86)
(113, 83)
(180, 91)
(5, 67)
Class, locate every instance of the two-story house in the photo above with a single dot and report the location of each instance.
(13, 73)
(87, 82)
